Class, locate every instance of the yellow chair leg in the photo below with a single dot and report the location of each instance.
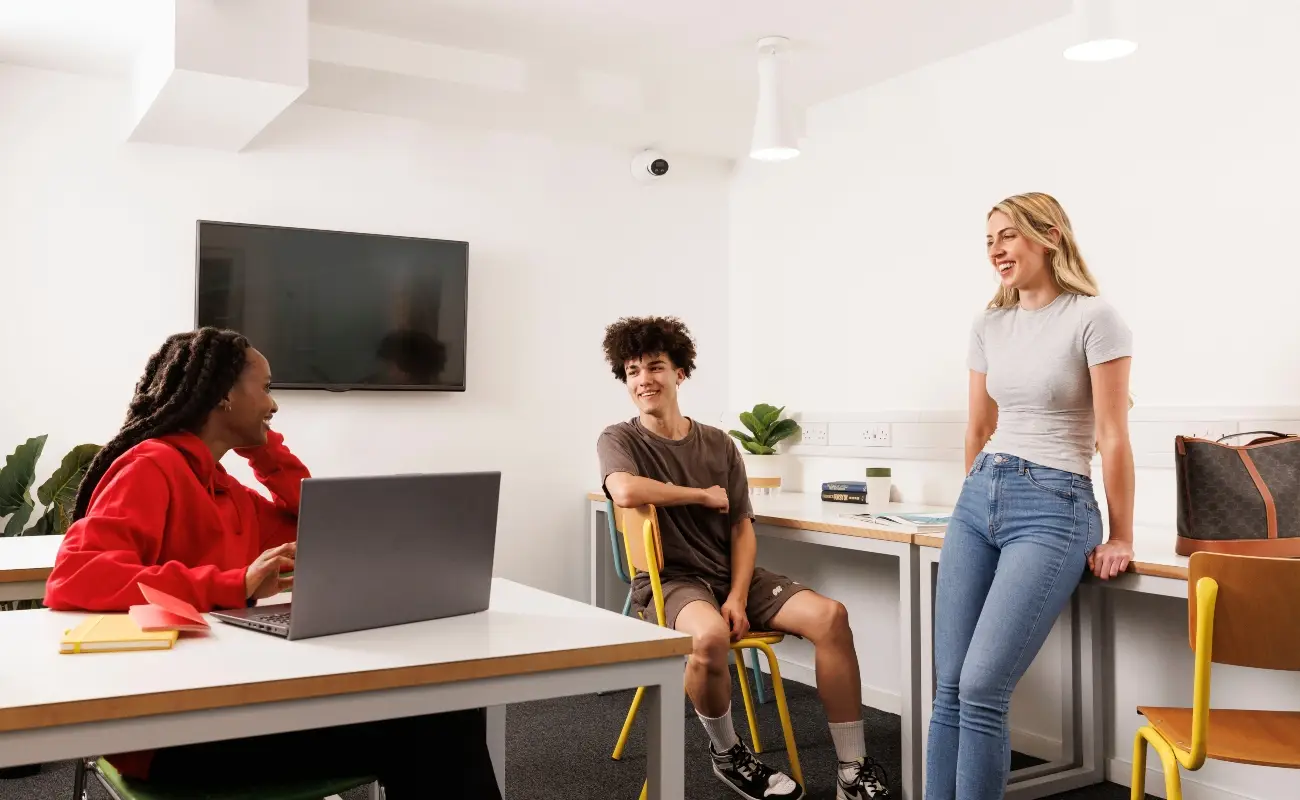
(778, 689)
(627, 724)
(1173, 779)
(749, 701)
(1138, 785)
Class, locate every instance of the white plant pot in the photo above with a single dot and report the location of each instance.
(777, 465)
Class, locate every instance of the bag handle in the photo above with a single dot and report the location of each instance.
(1274, 434)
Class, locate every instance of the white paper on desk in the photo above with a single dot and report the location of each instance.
(912, 523)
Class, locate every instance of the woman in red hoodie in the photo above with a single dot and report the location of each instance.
(157, 507)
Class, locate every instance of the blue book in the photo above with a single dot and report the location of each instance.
(845, 486)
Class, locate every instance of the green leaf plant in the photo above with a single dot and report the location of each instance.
(766, 429)
(58, 494)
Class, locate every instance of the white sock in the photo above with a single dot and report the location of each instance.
(721, 732)
(850, 745)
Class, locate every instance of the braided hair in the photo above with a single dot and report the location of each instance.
(182, 383)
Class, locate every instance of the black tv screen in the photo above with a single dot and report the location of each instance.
(339, 311)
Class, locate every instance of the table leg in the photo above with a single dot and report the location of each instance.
(665, 736)
(496, 743)
(910, 646)
(929, 558)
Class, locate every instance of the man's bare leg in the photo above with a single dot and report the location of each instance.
(825, 623)
(708, 684)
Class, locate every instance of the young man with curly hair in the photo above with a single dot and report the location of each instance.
(695, 477)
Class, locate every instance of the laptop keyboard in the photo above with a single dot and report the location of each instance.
(275, 619)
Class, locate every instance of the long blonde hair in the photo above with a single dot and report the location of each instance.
(1034, 215)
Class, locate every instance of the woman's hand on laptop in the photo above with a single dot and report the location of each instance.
(262, 579)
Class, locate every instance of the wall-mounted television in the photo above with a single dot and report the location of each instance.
(336, 310)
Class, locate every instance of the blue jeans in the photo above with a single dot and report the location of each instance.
(1015, 549)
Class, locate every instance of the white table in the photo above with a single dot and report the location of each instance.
(803, 517)
(25, 563)
(234, 682)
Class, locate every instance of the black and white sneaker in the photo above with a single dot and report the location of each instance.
(749, 777)
(867, 783)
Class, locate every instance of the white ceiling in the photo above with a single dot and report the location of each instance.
(676, 74)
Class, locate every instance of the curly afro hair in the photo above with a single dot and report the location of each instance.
(636, 337)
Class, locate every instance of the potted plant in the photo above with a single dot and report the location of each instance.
(766, 430)
(58, 494)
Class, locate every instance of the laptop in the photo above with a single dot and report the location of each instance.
(385, 550)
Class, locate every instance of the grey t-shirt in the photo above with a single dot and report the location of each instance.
(1037, 366)
(696, 539)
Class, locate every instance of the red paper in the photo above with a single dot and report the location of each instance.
(153, 618)
(165, 612)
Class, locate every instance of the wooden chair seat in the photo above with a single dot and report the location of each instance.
(1264, 738)
(127, 789)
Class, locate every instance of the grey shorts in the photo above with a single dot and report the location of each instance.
(768, 591)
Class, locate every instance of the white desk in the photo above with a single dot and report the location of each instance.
(25, 563)
(234, 682)
(802, 517)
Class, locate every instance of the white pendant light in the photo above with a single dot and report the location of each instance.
(773, 140)
(1098, 36)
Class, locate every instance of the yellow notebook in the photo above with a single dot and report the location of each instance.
(105, 633)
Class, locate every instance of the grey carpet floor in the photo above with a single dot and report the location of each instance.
(560, 750)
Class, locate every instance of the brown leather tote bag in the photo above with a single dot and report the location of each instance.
(1239, 499)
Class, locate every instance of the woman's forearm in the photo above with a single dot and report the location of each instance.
(1117, 473)
(975, 441)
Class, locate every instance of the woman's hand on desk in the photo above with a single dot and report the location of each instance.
(263, 579)
(1110, 559)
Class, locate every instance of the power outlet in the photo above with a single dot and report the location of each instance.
(860, 434)
(814, 433)
(877, 435)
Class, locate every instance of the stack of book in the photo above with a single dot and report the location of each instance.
(845, 491)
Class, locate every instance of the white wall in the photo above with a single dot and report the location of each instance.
(97, 258)
(857, 269)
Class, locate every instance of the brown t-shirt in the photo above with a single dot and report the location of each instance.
(696, 539)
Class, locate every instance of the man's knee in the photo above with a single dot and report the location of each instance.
(711, 648)
(710, 636)
(831, 621)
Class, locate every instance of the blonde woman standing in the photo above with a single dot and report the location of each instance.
(1049, 372)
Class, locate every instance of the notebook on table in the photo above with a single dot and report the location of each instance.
(108, 633)
(153, 625)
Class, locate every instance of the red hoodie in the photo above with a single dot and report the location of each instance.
(168, 515)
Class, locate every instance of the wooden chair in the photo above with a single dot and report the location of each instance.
(1241, 610)
(647, 556)
(617, 550)
(120, 788)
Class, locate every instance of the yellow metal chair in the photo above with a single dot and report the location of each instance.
(1241, 610)
(647, 556)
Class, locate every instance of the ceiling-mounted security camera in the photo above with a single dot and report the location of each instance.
(649, 165)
